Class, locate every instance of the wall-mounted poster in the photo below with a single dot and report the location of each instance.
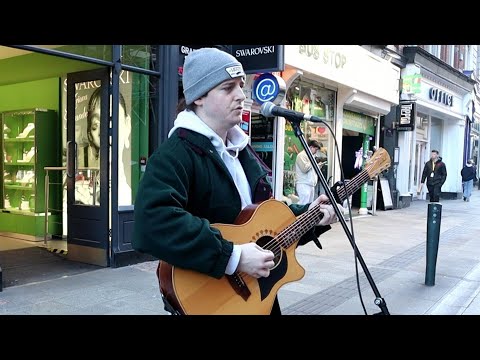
(87, 137)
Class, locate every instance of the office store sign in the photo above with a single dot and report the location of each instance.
(440, 96)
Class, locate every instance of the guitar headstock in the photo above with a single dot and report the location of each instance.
(379, 161)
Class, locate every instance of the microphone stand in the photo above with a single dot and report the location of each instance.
(379, 301)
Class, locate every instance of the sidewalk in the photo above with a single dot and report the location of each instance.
(392, 244)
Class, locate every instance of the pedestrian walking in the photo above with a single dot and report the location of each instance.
(435, 173)
(468, 176)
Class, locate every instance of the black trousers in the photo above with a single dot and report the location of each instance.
(434, 192)
(276, 308)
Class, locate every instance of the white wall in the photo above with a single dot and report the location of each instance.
(477, 67)
(474, 58)
(452, 154)
(436, 134)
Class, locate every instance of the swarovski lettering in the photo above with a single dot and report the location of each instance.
(261, 50)
(124, 79)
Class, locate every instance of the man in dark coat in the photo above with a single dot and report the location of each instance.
(205, 173)
(435, 172)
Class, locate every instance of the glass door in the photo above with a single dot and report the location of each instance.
(88, 114)
(420, 149)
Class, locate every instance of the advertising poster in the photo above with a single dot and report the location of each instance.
(87, 137)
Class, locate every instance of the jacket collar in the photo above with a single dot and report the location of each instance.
(203, 146)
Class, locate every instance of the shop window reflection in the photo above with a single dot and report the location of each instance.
(314, 100)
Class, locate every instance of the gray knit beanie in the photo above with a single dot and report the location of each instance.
(206, 68)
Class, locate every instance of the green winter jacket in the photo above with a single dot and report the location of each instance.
(185, 188)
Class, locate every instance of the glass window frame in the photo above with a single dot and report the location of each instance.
(299, 90)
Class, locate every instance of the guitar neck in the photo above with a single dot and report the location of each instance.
(353, 185)
(309, 219)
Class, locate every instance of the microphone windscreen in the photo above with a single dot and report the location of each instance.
(267, 108)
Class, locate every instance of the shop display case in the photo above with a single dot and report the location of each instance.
(30, 141)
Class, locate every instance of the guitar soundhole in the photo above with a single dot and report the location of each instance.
(267, 242)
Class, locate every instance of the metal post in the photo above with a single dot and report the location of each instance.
(433, 236)
(376, 178)
(47, 181)
(364, 189)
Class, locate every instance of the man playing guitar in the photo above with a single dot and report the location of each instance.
(206, 173)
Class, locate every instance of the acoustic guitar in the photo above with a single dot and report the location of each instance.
(273, 226)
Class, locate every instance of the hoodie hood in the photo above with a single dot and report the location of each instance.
(237, 140)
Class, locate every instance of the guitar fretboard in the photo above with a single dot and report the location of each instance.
(309, 219)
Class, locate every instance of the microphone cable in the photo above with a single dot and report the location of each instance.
(355, 249)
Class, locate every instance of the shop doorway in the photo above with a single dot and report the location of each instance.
(351, 144)
(26, 255)
(87, 171)
(420, 150)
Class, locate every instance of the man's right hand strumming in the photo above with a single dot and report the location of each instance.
(255, 261)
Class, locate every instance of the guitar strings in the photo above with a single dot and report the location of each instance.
(288, 236)
(276, 243)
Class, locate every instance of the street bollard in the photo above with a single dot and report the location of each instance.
(433, 236)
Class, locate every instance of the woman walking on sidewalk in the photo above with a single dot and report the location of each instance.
(468, 174)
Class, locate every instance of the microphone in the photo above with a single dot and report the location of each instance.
(269, 109)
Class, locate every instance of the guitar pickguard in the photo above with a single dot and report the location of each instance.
(277, 272)
(266, 284)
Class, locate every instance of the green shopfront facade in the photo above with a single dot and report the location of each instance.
(83, 192)
(109, 107)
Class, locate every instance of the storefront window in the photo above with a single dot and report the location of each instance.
(138, 55)
(313, 100)
(262, 138)
(134, 55)
(133, 135)
(133, 117)
(102, 52)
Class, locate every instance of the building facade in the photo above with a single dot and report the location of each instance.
(349, 88)
(442, 100)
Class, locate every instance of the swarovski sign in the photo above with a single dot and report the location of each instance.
(260, 58)
(254, 58)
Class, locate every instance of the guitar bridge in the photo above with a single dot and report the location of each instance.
(239, 285)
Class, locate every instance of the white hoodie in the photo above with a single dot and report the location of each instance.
(236, 141)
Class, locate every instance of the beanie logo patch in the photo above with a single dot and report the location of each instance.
(235, 71)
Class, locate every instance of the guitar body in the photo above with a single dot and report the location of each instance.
(273, 226)
(194, 293)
